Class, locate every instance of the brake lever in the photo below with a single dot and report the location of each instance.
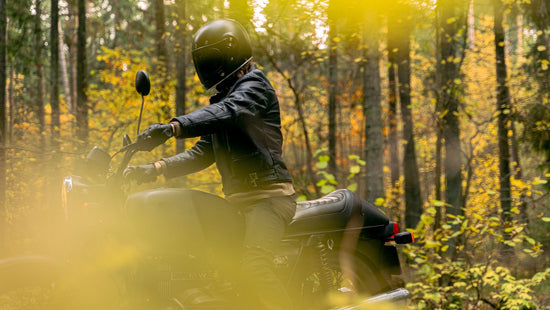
(132, 147)
(129, 147)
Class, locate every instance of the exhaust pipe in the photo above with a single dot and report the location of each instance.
(399, 297)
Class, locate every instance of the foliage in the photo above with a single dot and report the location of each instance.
(490, 255)
(290, 45)
(328, 181)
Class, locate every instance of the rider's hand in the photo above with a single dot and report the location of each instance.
(154, 136)
(141, 174)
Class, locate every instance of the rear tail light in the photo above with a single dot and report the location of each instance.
(395, 228)
(404, 237)
(397, 236)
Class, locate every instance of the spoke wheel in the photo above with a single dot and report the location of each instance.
(35, 282)
(29, 282)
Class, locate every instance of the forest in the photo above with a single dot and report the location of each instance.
(436, 111)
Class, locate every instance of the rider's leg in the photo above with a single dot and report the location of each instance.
(266, 222)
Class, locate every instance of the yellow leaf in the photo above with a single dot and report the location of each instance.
(541, 48)
(544, 65)
(451, 20)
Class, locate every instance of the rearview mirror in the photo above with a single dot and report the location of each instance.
(143, 85)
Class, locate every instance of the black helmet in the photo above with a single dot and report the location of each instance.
(220, 48)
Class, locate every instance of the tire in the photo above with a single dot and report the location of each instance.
(37, 282)
(331, 288)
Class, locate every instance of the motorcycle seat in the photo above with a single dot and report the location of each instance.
(341, 209)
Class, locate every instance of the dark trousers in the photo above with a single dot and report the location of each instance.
(266, 221)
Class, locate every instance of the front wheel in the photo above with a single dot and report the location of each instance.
(29, 282)
(38, 282)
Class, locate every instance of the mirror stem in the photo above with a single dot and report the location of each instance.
(140, 112)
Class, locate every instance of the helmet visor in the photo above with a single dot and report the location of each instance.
(209, 63)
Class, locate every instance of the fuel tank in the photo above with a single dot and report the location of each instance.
(170, 220)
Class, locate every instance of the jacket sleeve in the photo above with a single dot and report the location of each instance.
(245, 104)
(197, 158)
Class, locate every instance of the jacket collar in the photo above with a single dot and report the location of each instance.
(222, 94)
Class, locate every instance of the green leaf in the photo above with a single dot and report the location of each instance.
(321, 165)
(352, 187)
(319, 151)
(326, 189)
(546, 219)
(379, 201)
(324, 158)
(428, 220)
(355, 169)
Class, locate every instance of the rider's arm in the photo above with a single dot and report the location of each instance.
(199, 157)
(251, 98)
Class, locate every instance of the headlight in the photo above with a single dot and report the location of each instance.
(66, 188)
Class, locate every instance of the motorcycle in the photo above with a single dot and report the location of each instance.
(176, 248)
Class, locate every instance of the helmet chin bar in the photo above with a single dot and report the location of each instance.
(213, 88)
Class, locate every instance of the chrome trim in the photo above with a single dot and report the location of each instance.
(68, 184)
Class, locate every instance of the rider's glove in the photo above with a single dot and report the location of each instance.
(141, 174)
(154, 136)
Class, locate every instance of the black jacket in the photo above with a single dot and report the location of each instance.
(241, 132)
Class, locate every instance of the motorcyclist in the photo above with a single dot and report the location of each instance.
(240, 131)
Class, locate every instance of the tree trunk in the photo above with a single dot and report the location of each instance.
(162, 65)
(181, 67)
(332, 77)
(413, 201)
(160, 31)
(54, 72)
(372, 103)
(3, 123)
(81, 77)
(39, 70)
(471, 25)
(437, 175)
(65, 73)
(392, 113)
(448, 50)
(72, 43)
(504, 110)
